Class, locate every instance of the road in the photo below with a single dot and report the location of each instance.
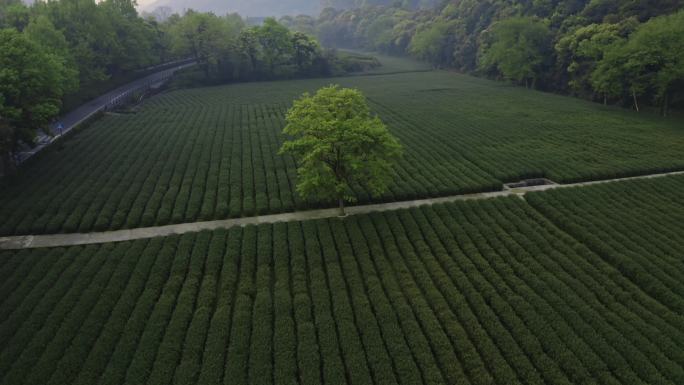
(58, 240)
(101, 103)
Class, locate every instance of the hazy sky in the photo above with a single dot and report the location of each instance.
(144, 3)
(244, 7)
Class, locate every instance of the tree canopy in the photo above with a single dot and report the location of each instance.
(227, 49)
(517, 48)
(51, 50)
(64, 52)
(558, 45)
(339, 144)
(32, 81)
(650, 61)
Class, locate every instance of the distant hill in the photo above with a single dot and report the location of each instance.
(255, 8)
(262, 8)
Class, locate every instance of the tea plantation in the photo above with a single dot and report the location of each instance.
(636, 226)
(211, 153)
(567, 290)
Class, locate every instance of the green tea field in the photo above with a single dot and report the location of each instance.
(342, 192)
(497, 291)
(211, 153)
(633, 225)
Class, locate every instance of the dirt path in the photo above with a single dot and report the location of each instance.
(55, 240)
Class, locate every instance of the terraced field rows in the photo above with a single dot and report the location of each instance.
(197, 164)
(534, 137)
(486, 292)
(211, 153)
(637, 226)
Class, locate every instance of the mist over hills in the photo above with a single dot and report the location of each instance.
(261, 8)
(254, 8)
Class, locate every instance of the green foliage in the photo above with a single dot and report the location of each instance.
(14, 14)
(580, 51)
(304, 50)
(355, 62)
(228, 50)
(275, 42)
(650, 62)
(32, 82)
(204, 36)
(516, 48)
(515, 40)
(338, 144)
(69, 50)
(432, 43)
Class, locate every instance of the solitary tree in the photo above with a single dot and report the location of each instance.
(338, 143)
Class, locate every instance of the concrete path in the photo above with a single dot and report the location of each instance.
(101, 103)
(55, 240)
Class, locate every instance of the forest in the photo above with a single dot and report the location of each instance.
(624, 52)
(57, 55)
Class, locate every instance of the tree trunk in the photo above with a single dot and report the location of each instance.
(341, 203)
(605, 99)
(636, 104)
(665, 104)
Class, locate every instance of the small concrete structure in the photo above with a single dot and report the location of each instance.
(529, 183)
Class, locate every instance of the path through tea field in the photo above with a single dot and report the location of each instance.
(211, 153)
(575, 285)
(565, 290)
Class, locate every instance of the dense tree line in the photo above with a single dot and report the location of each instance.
(628, 52)
(227, 49)
(52, 51)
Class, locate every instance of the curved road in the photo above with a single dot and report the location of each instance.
(102, 103)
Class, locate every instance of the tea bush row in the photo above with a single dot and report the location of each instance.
(480, 292)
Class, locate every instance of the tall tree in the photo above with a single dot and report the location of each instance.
(579, 51)
(432, 43)
(206, 37)
(338, 143)
(517, 48)
(32, 83)
(53, 43)
(305, 49)
(275, 40)
(650, 62)
(248, 48)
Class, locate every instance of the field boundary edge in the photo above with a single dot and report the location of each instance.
(74, 239)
